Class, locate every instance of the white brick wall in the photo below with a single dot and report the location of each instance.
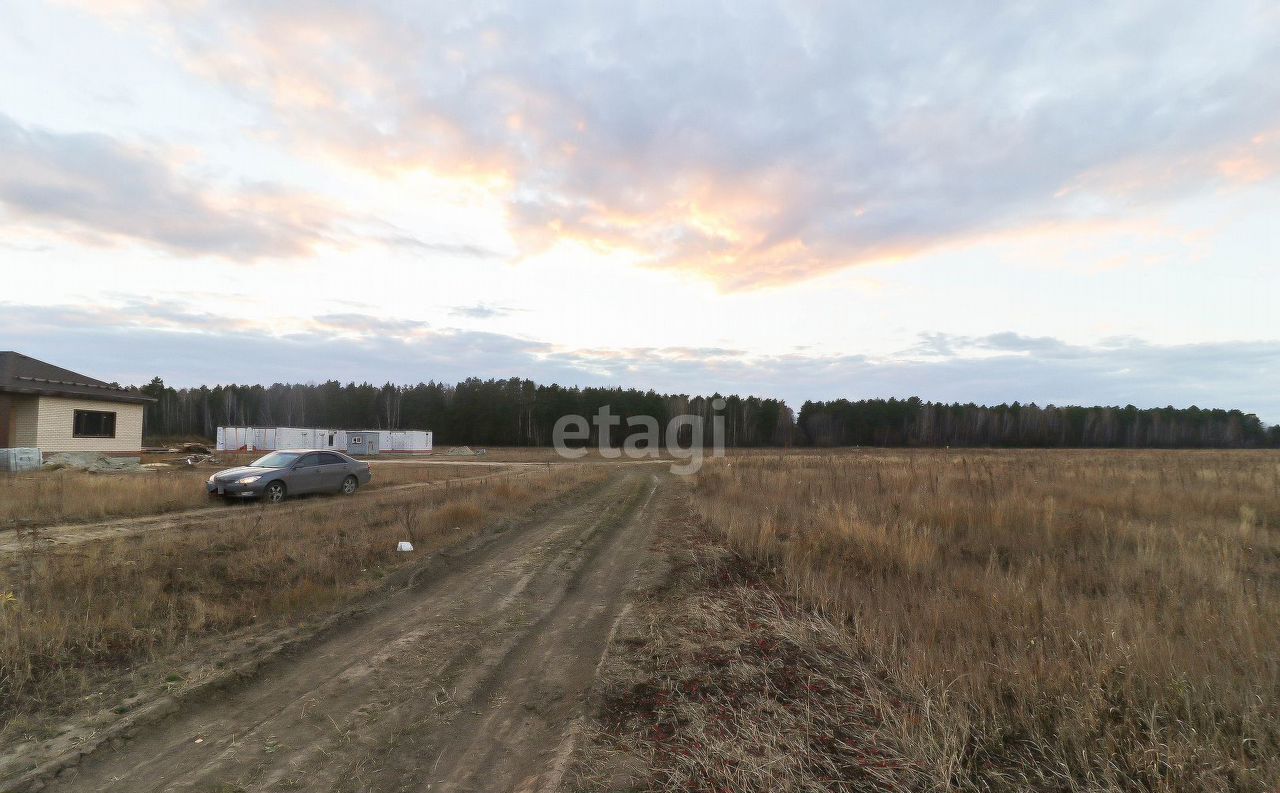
(23, 418)
(55, 422)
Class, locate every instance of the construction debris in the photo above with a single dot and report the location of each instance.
(93, 462)
(19, 459)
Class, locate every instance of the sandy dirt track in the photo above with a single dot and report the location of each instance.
(469, 681)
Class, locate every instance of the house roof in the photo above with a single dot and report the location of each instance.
(21, 374)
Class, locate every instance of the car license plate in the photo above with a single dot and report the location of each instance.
(222, 491)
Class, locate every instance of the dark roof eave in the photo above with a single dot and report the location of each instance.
(135, 399)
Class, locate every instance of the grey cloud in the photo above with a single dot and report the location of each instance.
(482, 311)
(822, 135)
(948, 345)
(135, 344)
(103, 189)
(366, 325)
(413, 243)
(132, 344)
(25, 247)
(1245, 375)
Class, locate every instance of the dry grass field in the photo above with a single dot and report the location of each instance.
(70, 617)
(1053, 620)
(535, 454)
(840, 620)
(46, 497)
(42, 498)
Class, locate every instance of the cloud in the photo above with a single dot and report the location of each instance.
(101, 191)
(482, 311)
(987, 370)
(402, 240)
(363, 325)
(134, 342)
(760, 143)
(104, 191)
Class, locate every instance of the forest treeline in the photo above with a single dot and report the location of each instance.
(511, 412)
(518, 412)
(912, 422)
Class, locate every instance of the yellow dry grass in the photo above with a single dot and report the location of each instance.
(533, 454)
(69, 616)
(46, 497)
(1060, 620)
(718, 683)
(42, 498)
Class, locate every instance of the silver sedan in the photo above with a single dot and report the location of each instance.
(291, 472)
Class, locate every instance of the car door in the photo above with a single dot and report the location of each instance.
(305, 477)
(333, 469)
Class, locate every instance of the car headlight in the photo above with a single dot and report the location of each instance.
(212, 477)
(248, 480)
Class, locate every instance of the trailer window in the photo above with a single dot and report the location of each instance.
(93, 424)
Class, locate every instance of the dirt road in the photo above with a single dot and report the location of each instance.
(471, 680)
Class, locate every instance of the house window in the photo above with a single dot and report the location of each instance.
(94, 424)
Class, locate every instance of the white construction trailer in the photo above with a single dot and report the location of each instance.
(351, 441)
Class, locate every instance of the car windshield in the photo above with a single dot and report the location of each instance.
(276, 460)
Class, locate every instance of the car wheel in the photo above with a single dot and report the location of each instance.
(349, 485)
(275, 492)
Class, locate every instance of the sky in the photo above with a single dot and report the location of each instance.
(1061, 203)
